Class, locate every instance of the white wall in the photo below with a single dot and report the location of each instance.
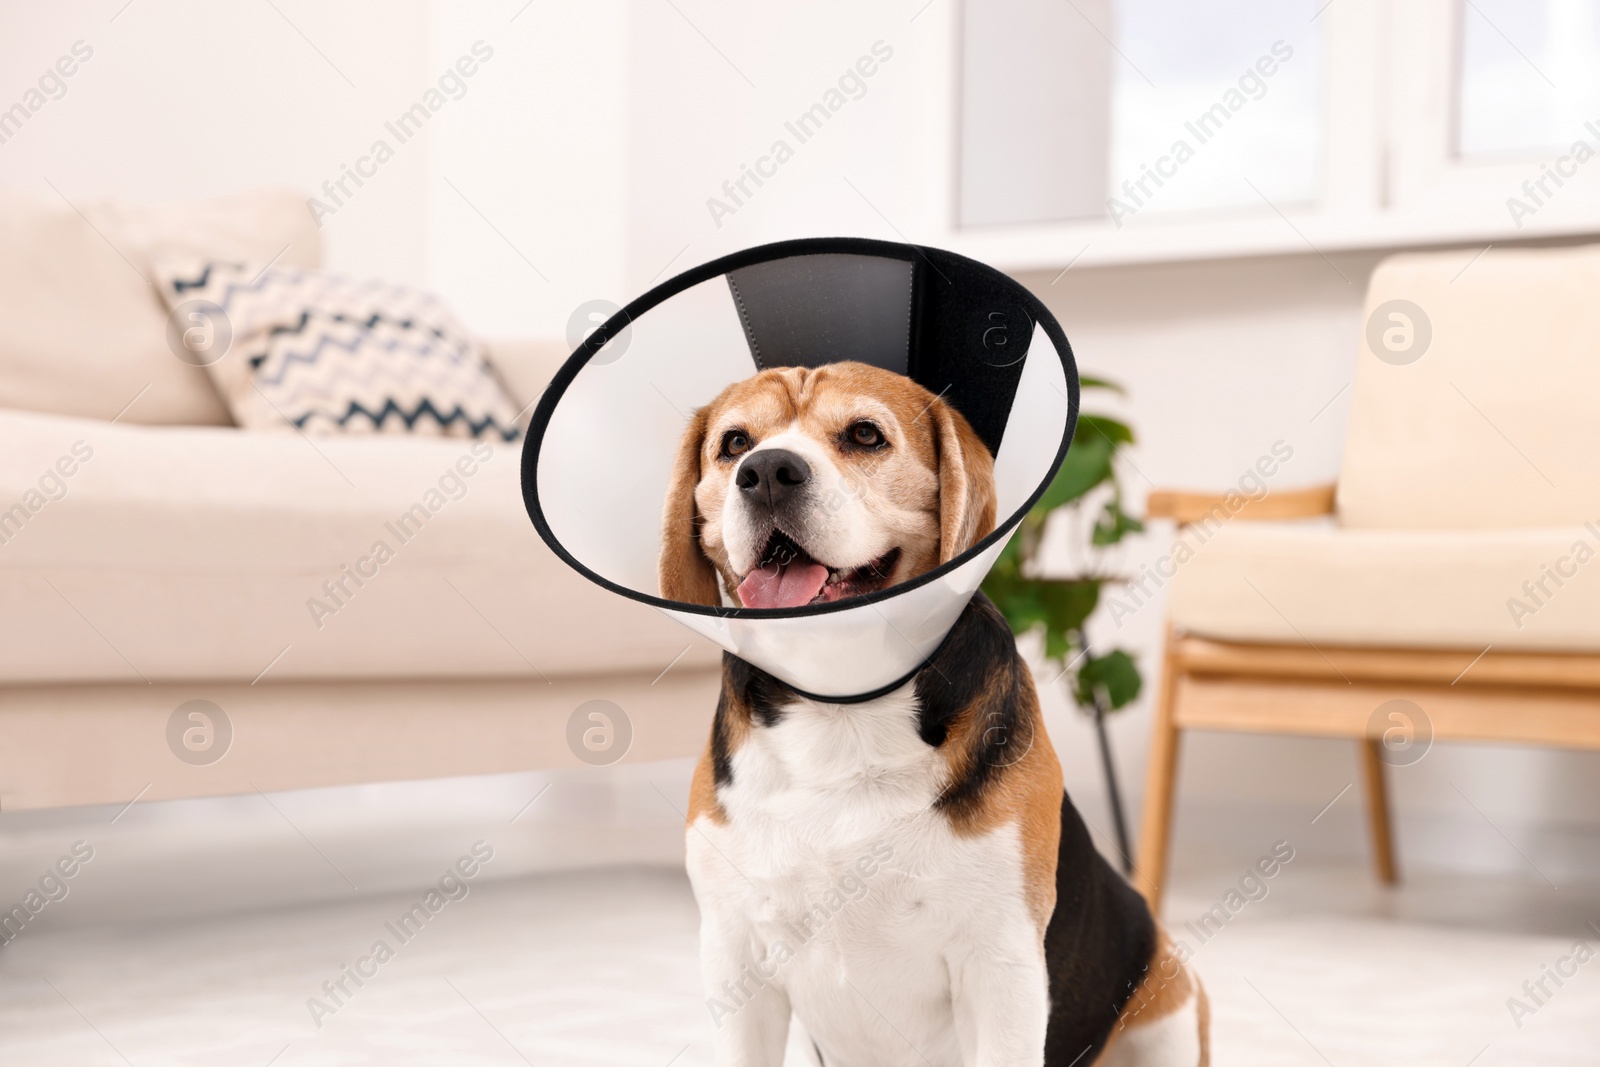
(186, 99)
(711, 90)
(526, 190)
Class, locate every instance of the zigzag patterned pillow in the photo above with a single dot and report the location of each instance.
(332, 355)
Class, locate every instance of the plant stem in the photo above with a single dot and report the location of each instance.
(1112, 790)
(1107, 766)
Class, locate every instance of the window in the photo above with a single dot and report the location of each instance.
(1115, 108)
(1529, 76)
(1125, 131)
(1234, 82)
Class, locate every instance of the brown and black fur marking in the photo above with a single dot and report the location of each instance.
(978, 704)
(976, 691)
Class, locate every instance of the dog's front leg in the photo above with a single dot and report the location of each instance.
(749, 1014)
(1002, 1005)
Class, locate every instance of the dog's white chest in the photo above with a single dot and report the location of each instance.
(836, 884)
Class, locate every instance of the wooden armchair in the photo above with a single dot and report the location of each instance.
(1445, 601)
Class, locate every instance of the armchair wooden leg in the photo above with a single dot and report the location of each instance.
(1155, 826)
(1372, 771)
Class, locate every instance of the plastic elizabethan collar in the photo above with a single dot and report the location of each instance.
(600, 449)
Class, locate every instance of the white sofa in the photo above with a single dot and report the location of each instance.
(167, 556)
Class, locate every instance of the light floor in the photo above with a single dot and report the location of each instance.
(598, 966)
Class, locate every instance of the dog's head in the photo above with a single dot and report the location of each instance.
(803, 486)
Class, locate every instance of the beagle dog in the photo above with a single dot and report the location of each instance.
(903, 876)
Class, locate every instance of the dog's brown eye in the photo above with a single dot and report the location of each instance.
(865, 435)
(734, 443)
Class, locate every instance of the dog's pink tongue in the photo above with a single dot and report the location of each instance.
(789, 586)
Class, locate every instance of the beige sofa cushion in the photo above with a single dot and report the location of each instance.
(82, 331)
(1298, 582)
(1494, 424)
(179, 553)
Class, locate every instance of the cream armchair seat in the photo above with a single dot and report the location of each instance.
(163, 558)
(1456, 567)
(1328, 584)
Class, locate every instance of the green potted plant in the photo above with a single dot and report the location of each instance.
(1057, 607)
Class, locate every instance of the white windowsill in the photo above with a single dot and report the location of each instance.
(1094, 244)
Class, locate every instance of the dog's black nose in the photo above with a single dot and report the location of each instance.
(770, 476)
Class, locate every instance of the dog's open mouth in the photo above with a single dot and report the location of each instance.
(788, 577)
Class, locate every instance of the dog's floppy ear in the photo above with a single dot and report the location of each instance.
(966, 483)
(684, 571)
